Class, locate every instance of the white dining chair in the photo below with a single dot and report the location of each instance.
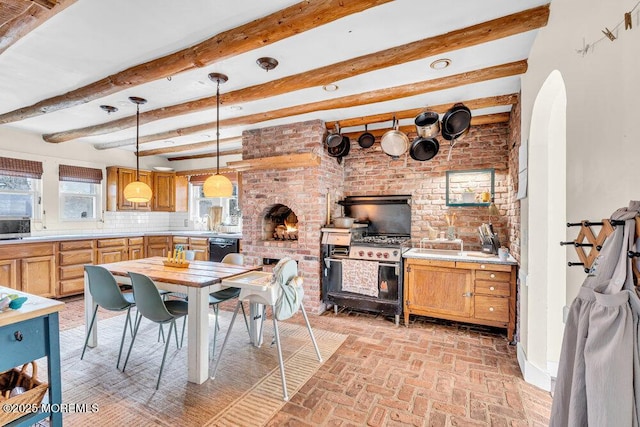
(284, 296)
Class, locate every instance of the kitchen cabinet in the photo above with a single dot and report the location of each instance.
(117, 180)
(157, 245)
(198, 244)
(135, 248)
(111, 250)
(164, 191)
(472, 292)
(73, 255)
(29, 268)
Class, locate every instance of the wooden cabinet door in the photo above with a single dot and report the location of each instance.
(39, 275)
(136, 252)
(9, 273)
(114, 254)
(201, 246)
(117, 179)
(125, 176)
(164, 192)
(145, 176)
(439, 291)
(157, 249)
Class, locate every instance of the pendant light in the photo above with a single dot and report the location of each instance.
(217, 185)
(137, 191)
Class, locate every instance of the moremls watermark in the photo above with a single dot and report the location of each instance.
(65, 408)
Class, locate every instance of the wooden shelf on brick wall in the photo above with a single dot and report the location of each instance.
(276, 162)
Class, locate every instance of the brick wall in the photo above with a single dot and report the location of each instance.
(513, 205)
(371, 171)
(304, 190)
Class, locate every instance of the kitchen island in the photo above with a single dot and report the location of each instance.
(469, 287)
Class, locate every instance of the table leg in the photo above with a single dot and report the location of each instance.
(53, 366)
(198, 337)
(88, 313)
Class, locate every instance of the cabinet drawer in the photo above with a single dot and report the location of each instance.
(483, 266)
(76, 257)
(33, 333)
(133, 241)
(431, 263)
(75, 245)
(489, 308)
(179, 240)
(487, 287)
(199, 241)
(153, 240)
(71, 272)
(105, 243)
(73, 286)
(500, 276)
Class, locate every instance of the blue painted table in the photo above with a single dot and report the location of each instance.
(30, 333)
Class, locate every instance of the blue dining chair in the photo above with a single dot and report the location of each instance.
(151, 306)
(106, 293)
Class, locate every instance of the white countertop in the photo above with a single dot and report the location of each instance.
(456, 255)
(49, 238)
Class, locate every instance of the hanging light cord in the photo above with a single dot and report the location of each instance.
(218, 128)
(137, 138)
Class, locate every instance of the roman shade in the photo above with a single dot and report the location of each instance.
(80, 174)
(20, 167)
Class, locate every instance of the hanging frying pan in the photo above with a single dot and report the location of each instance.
(394, 142)
(427, 124)
(424, 148)
(456, 121)
(334, 139)
(367, 139)
(341, 149)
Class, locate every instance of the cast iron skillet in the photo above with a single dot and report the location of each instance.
(424, 148)
(342, 149)
(367, 139)
(456, 121)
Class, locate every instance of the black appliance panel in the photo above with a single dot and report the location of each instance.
(221, 246)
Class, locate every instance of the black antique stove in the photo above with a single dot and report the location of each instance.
(363, 265)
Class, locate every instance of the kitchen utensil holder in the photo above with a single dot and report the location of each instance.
(451, 232)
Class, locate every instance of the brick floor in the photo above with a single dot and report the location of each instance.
(430, 374)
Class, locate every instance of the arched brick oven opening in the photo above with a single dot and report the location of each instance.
(280, 223)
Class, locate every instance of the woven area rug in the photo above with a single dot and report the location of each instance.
(246, 391)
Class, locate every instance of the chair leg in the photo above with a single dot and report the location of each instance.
(226, 338)
(216, 327)
(161, 332)
(184, 324)
(124, 333)
(133, 339)
(313, 339)
(86, 340)
(172, 325)
(285, 395)
(246, 322)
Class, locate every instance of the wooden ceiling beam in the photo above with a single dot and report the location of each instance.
(206, 155)
(388, 94)
(474, 104)
(195, 146)
(33, 15)
(477, 34)
(284, 23)
(206, 171)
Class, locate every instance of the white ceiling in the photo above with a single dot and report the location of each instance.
(92, 39)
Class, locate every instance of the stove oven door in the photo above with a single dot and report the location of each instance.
(388, 301)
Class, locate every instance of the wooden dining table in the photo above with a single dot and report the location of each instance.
(197, 281)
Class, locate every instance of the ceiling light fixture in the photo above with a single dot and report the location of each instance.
(109, 108)
(330, 87)
(137, 191)
(440, 64)
(217, 185)
(267, 63)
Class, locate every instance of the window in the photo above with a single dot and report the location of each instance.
(199, 205)
(79, 190)
(20, 196)
(20, 188)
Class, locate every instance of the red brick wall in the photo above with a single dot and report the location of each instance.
(302, 189)
(513, 205)
(370, 171)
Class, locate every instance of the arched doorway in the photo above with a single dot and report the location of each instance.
(544, 295)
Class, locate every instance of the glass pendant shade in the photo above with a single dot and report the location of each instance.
(217, 186)
(137, 192)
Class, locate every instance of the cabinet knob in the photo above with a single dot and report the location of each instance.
(467, 294)
(493, 276)
(482, 266)
(491, 288)
(490, 308)
(18, 335)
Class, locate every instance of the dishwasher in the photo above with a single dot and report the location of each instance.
(221, 246)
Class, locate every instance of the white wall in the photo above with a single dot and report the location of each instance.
(23, 145)
(602, 135)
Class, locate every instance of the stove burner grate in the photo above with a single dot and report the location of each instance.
(383, 240)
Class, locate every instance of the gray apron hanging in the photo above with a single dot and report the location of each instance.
(598, 380)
